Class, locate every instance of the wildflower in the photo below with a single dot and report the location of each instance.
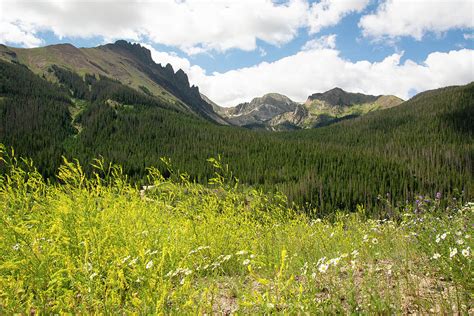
(443, 236)
(246, 262)
(375, 241)
(149, 264)
(452, 252)
(436, 256)
(459, 233)
(323, 267)
(437, 239)
(460, 241)
(270, 305)
(16, 247)
(438, 195)
(365, 238)
(466, 252)
(227, 258)
(125, 259)
(467, 236)
(252, 256)
(355, 253)
(334, 261)
(241, 252)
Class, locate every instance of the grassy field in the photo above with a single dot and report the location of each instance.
(100, 245)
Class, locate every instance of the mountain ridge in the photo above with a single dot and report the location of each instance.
(129, 63)
(276, 112)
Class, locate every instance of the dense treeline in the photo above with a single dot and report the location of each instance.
(34, 116)
(421, 147)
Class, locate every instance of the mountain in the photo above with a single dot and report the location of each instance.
(260, 110)
(278, 112)
(130, 64)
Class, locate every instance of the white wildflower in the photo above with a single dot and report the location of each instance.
(241, 252)
(460, 241)
(334, 261)
(149, 264)
(125, 259)
(355, 253)
(227, 258)
(16, 247)
(270, 305)
(436, 256)
(452, 252)
(246, 262)
(93, 275)
(443, 236)
(323, 267)
(458, 233)
(466, 252)
(375, 241)
(467, 236)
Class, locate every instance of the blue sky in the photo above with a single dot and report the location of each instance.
(237, 50)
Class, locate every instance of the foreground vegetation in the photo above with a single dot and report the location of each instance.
(101, 245)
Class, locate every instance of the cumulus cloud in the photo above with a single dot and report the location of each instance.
(193, 25)
(329, 12)
(415, 18)
(19, 33)
(320, 69)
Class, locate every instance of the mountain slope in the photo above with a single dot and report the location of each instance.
(131, 64)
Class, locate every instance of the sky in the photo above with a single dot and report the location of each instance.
(235, 50)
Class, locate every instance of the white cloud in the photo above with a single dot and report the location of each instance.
(193, 25)
(327, 41)
(415, 18)
(329, 12)
(318, 70)
(11, 32)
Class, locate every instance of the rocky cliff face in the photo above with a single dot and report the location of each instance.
(260, 110)
(176, 83)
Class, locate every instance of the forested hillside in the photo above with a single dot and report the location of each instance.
(423, 146)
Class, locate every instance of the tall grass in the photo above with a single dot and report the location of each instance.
(99, 245)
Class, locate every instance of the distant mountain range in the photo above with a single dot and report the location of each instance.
(277, 112)
(132, 65)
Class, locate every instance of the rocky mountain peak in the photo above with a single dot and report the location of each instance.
(341, 98)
